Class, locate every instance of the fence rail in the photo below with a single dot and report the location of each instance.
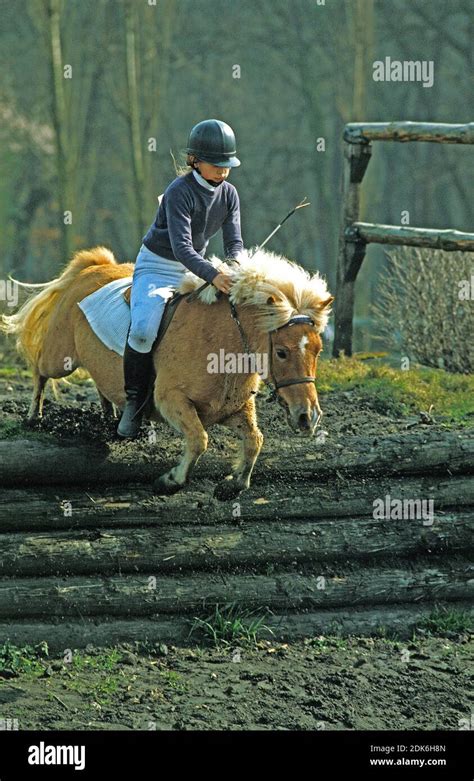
(355, 235)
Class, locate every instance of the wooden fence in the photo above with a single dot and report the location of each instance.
(355, 235)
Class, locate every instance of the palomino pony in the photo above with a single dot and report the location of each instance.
(275, 310)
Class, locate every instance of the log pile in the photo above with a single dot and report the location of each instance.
(101, 560)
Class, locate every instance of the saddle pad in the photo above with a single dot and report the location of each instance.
(108, 313)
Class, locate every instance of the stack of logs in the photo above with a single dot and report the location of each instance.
(89, 555)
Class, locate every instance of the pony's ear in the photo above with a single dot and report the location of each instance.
(326, 303)
(271, 300)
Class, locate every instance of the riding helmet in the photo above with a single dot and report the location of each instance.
(213, 141)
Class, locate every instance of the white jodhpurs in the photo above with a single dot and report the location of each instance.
(154, 280)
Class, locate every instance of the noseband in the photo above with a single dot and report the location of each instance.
(295, 320)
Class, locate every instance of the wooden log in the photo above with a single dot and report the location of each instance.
(435, 132)
(380, 620)
(400, 620)
(451, 240)
(187, 548)
(266, 503)
(33, 462)
(329, 586)
(38, 462)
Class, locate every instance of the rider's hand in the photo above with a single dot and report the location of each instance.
(223, 282)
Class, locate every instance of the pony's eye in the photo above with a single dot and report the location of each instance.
(281, 354)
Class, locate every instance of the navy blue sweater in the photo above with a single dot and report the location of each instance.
(188, 216)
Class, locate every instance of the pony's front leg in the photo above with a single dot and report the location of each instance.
(180, 413)
(244, 424)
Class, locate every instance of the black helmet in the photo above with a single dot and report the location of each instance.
(213, 141)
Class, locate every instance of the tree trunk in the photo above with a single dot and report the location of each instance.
(134, 114)
(60, 122)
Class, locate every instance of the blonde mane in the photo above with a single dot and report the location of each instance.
(278, 287)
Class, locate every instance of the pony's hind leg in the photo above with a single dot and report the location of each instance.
(181, 413)
(108, 409)
(244, 424)
(35, 410)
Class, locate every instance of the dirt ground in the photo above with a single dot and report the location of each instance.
(77, 412)
(316, 684)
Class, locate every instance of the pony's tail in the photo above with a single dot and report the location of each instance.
(31, 322)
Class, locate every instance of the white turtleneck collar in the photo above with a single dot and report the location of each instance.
(202, 181)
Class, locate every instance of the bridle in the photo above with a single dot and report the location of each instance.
(295, 320)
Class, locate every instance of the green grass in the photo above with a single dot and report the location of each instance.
(101, 692)
(104, 660)
(8, 372)
(396, 392)
(327, 643)
(443, 619)
(99, 665)
(173, 679)
(11, 429)
(22, 659)
(229, 625)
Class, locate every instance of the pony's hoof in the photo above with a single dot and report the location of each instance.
(164, 486)
(227, 489)
(29, 422)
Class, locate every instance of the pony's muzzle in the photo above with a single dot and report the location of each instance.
(305, 421)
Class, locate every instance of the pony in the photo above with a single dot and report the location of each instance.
(276, 310)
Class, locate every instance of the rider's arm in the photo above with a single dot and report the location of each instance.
(231, 232)
(178, 215)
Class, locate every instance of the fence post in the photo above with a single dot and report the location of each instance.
(351, 250)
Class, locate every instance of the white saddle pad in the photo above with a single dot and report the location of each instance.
(108, 314)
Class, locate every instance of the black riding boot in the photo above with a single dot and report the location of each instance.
(137, 371)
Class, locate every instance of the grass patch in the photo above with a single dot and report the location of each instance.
(10, 372)
(101, 691)
(396, 392)
(326, 644)
(174, 680)
(22, 659)
(444, 619)
(229, 625)
(11, 429)
(103, 661)
(95, 676)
